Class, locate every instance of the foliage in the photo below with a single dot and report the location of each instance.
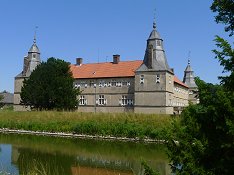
(202, 142)
(225, 10)
(148, 170)
(117, 125)
(225, 54)
(50, 86)
(226, 58)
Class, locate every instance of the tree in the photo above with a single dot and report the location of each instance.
(226, 58)
(203, 141)
(225, 10)
(1, 98)
(225, 54)
(50, 86)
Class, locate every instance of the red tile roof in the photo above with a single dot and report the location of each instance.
(106, 70)
(176, 80)
(109, 70)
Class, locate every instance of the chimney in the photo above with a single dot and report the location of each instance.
(116, 59)
(79, 61)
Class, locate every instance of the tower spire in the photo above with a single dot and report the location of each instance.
(35, 34)
(188, 74)
(155, 58)
(34, 48)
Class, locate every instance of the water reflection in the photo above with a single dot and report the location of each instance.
(6, 164)
(27, 154)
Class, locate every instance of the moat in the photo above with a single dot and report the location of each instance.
(28, 154)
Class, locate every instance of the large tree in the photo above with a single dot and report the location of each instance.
(203, 141)
(50, 87)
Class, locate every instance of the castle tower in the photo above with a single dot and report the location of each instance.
(189, 81)
(154, 79)
(155, 57)
(31, 61)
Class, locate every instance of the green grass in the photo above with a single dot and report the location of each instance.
(104, 124)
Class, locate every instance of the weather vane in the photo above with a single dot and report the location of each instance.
(35, 33)
(189, 55)
(154, 24)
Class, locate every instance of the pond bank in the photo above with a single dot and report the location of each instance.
(82, 136)
(105, 126)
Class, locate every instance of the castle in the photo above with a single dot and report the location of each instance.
(140, 86)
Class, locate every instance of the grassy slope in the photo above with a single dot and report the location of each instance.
(120, 125)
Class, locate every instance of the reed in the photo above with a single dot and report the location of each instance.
(104, 124)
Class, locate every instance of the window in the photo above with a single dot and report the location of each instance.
(91, 83)
(158, 43)
(101, 83)
(113, 83)
(128, 83)
(158, 78)
(124, 83)
(77, 85)
(82, 84)
(142, 79)
(34, 55)
(101, 100)
(125, 101)
(83, 101)
(119, 84)
(130, 102)
(169, 79)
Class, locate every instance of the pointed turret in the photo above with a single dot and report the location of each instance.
(34, 48)
(32, 60)
(189, 76)
(155, 57)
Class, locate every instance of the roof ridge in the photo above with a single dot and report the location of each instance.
(112, 62)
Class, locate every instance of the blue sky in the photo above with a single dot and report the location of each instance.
(95, 30)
